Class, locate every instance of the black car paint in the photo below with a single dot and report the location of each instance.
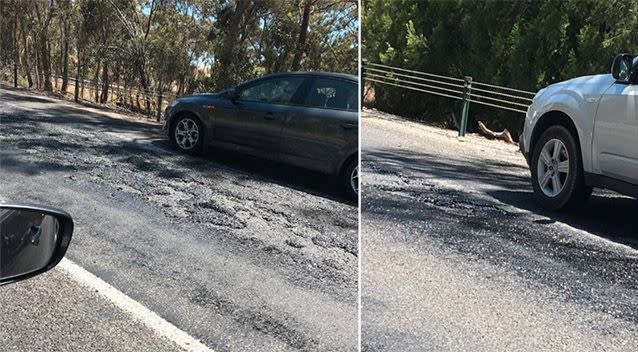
(13, 256)
(320, 139)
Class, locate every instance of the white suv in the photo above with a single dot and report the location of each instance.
(583, 133)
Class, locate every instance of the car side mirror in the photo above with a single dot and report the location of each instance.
(33, 239)
(622, 67)
(233, 95)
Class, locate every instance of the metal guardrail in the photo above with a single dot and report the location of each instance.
(464, 89)
(157, 101)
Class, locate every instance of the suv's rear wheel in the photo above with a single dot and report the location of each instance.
(350, 179)
(557, 171)
(187, 134)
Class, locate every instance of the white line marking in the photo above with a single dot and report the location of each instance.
(138, 311)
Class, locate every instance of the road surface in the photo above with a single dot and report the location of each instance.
(238, 253)
(457, 257)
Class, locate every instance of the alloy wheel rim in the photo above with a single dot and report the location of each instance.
(354, 179)
(186, 133)
(553, 167)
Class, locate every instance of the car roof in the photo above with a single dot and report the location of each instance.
(316, 74)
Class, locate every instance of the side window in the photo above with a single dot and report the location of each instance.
(624, 70)
(333, 94)
(279, 90)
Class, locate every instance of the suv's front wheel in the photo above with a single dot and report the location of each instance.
(557, 171)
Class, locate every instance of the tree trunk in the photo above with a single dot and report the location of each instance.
(27, 66)
(38, 70)
(180, 84)
(137, 100)
(16, 54)
(160, 88)
(45, 59)
(225, 76)
(105, 83)
(65, 57)
(303, 32)
(44, 49)
(82, 75)
(96, 83)
(77, 79)
(147, 93)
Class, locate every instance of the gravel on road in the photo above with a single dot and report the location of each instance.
(241, 253)
(456, 255)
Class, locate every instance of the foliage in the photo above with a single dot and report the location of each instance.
(518, 44)
(173, 46)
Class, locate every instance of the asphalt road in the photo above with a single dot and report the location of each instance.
(241, 254)
(456, 256)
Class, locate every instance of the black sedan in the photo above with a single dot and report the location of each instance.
(308, 119)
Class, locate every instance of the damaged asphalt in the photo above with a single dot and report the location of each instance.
(241, 253)
(463, 259)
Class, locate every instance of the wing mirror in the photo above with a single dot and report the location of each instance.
(232, 94)
(33, 239)
(623, 68)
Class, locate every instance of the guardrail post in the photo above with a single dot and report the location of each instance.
(465, 107)
(362, 81)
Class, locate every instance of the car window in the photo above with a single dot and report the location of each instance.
(279, 90)
(624, 70)
(333, 94)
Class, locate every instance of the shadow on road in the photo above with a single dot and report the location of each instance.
(582, 272)
(607, 214)
(430, 166)
(52, 112)
(74, 117)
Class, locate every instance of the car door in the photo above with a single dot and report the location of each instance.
(254, 123)
(320, 132)
(615, 140)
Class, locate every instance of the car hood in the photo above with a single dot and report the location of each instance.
(585, 86)
(197, 97)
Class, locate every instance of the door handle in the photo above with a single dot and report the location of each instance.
(348, 126)
(269, 116)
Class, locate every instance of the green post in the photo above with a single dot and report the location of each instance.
(465, 107)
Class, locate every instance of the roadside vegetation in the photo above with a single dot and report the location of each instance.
(519, 44)
(139, 54)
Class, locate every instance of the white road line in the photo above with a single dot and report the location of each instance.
(138, 311)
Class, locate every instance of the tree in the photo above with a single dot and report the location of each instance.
(518, 44)
(143, 52)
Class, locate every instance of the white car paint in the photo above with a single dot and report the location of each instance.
(606, 118)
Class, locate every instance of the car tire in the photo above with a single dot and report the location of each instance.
(187, 134)
(350, 179)
(557, 171)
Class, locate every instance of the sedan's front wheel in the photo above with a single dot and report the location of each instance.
(557, 171)
(350, 179)
(187, 134)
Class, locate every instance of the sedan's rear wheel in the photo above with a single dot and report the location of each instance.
(557, 171)
(187, 134)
